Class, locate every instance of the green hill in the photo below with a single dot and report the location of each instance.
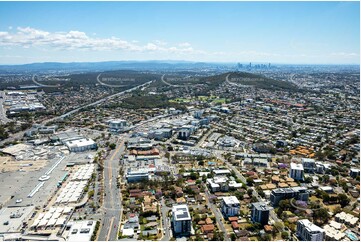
(260, 81)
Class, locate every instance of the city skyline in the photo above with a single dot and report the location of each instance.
(277, 32)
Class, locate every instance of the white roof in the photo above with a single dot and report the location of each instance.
(79, 143)
(333, 233)
(80, 225)
(307, 160)
(335, 224)
(222, 171)
(231, 200)
(60, 221)
(295, 166)
(181, 212)
(310, 226)
(128, 232)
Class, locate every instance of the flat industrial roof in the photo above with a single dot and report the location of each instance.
(81, 230)
(15, 216)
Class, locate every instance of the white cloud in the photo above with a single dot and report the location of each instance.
(343, 54)
(76, 40)
(185, 44)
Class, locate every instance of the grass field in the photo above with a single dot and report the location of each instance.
(180, 100)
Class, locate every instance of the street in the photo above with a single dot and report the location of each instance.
(166, 225)
(112, 207)
(218, 215)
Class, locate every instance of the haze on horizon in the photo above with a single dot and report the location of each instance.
(277, 32)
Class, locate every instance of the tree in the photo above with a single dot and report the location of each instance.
(91, 193)
(218, 236)
(279, 225)
(267, 237)
(321, 216)
(325, 197)
(285, 235)
(343, 199)
(249, 192)
(285, 204)
(194, 176)
(326, 178)
(112, 146)
(308, 179)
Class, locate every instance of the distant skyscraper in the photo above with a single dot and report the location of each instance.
(239, 66)
(269, 65)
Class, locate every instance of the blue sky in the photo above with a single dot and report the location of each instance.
(277, 32)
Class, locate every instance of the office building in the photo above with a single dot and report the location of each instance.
(181, 220)
(230, 206)
(184, 134)
(260, 213)
(354, 172)
(117, 124)
(299, 193)
(80, 145)
(308, 231)
(296, 171)
(309, 165)
(137, 176)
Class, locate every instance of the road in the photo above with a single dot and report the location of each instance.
(172, 85)
(19, 135)
(42, 85)
(112, 206)
(218, 215)
(104, 84)
(165, 221)
(204, 137)
(273, 215)
(3, 118)
(236, 84)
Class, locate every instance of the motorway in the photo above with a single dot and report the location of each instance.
(172, 85)
(42, 85)
(236, 84)
(104, 84)
(19, 135)
(112, 206)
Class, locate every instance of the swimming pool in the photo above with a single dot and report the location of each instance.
(351, 235)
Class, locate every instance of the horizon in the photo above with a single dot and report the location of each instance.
(186, 61)
(289, 33)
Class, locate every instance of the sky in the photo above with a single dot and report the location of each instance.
(276, 32)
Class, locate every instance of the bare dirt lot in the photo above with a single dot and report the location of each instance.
(9, 164)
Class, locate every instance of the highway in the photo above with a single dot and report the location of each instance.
(235, 84)
(42, 85)
(112, 206)
(104, 84)
(19, 135)
(172, 85)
